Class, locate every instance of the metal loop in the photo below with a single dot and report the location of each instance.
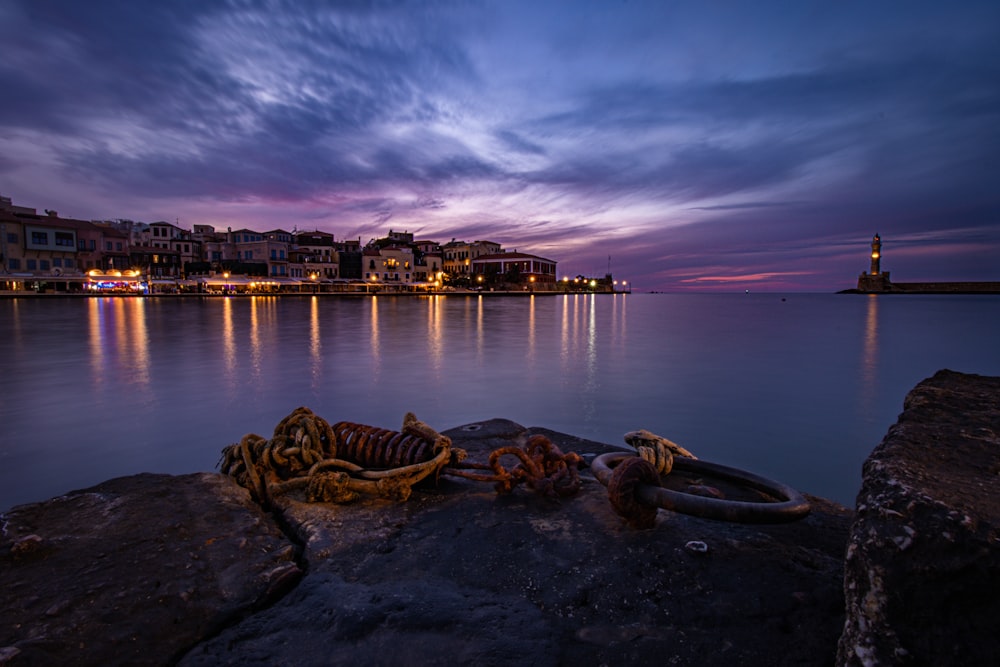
(791, 506)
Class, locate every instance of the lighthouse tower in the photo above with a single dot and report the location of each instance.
(877, 280)
(876, 255)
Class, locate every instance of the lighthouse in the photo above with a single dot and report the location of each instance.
(876, 254)
(875, 280)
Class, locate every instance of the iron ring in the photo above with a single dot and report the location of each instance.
(791, 506)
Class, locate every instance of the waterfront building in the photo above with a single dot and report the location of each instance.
(459, 255)
(169, 236)
(46, 252)
(402, 238)
(429, 267)
(391, 264)
(515, 267)
(318, 255)
(351, 259)
(49, 253)
(158, 263)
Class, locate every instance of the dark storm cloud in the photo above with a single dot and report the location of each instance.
(146, 68)
(889, 113)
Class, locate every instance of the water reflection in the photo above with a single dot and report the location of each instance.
(118, 341)
(15, 320)
(94, 341)
(139, 347)
(315, 344)
(480, 331)
(255, 351)
(435, 334)
(729, 374)
(374, 336)
(869, 358)
(228, 343)
(531, 328)
(591, 381)
(618, 329)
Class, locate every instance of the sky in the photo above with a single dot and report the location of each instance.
(687, 146)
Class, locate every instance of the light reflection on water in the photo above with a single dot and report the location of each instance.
(799, 390)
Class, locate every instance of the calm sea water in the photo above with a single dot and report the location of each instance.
(798, 388)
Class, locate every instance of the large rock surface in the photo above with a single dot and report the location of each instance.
(922, 575)
(160, 570)
(135, 571)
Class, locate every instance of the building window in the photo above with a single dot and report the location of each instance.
(118, 246)
(14, 264)
(69, 263)
(11, 237)
(93, 244)
(57, 261)
(39, 238)
(107, 246)
(32, 264)
(43, 264)
(64, 239)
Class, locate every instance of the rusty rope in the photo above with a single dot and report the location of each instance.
(334, 463)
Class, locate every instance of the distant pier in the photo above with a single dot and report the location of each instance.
(877, 281)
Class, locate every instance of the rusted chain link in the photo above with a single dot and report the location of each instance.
(635, 492)
(543, 467)
(339, 463)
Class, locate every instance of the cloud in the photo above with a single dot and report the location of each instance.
(677, 137)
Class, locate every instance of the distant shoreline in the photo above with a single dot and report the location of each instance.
(242, 295)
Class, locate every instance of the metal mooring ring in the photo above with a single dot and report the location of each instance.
(792, 506)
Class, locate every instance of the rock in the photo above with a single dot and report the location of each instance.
(460, 575)
(186, 570)
(922, 571)
(135, 571)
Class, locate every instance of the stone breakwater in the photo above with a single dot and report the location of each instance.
(159, 569)
(922, 575)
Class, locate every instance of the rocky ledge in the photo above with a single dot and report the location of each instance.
(157, 569)
(922, 575)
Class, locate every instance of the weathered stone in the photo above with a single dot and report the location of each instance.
(167, 570)
(135, 571)
(460, 575)
(922, 572)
